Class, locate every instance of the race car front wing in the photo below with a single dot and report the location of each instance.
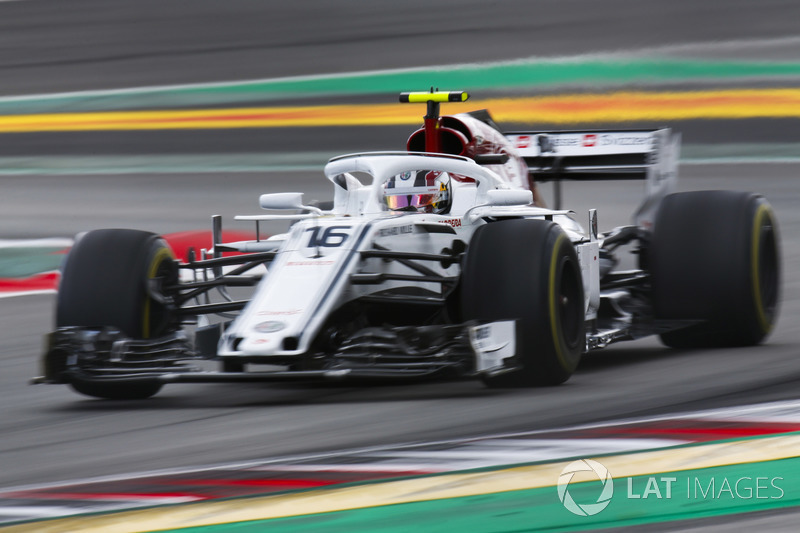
(471, 349)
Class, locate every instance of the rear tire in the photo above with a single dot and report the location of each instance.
(104, 283)
(528, 270)
(714, 257)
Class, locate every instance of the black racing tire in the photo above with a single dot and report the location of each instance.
(714, 256)
(528, 270)
(104, 283)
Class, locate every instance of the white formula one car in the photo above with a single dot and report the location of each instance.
(434, 262)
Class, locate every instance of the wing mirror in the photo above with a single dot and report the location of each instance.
(509, 197)
(500, 197)
(286, 200)
(491, 159)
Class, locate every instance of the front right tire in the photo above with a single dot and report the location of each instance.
(527, 270)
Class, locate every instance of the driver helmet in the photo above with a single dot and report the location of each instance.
(423, 191)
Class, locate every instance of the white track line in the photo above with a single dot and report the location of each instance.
(790, 412)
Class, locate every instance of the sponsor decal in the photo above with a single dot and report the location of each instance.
(454, 222)
(270, 326)
(396, 230)
(309, 263)
(289, 312)
(482, 333)
(523, 141)
(626, 140)
(566, 141)
(589, 140)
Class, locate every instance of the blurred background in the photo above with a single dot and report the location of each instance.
(158, 114)
(67, 70)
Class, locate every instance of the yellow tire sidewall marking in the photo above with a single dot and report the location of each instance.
(755, 249)
(555, 320)
(163, 254)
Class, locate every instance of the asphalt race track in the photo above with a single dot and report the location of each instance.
(51, 434)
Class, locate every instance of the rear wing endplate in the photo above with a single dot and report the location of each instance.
(650, 155)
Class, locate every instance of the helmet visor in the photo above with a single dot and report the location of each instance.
(397, 202)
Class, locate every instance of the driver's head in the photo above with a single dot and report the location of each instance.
(423, 191)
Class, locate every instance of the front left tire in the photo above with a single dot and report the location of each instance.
(106, 282)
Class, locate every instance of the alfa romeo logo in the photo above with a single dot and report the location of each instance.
(591, 508)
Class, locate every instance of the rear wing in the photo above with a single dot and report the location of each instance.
(650, 155)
